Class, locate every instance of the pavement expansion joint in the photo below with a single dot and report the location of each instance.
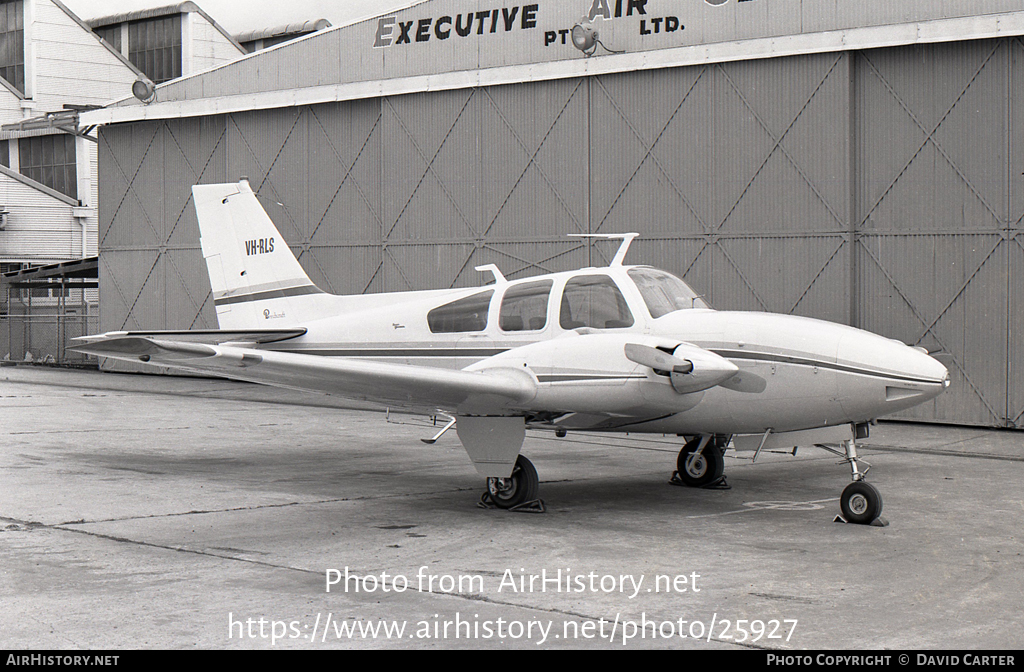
(947, 453)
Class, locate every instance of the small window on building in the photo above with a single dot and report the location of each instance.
(111, 35)
(12, 43)
(154, 46)
(593, 301)
(525, 307)
(50, 160)
(468, 314)
(5, 153)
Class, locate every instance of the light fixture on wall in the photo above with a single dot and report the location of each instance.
(585, 38)
(3, 217)
(144, 89)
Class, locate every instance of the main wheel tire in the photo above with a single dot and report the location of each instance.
(704, 469)
(860, 503)
(519, 488)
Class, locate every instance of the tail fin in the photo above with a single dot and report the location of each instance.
(257, 282)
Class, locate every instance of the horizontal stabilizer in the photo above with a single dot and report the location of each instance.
(209, 336)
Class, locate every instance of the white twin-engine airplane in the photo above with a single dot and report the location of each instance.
(616, 349)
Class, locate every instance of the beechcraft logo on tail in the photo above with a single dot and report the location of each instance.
(259, 246)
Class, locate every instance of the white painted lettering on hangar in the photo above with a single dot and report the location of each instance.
(394, 31)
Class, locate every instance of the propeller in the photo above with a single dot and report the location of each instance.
(690, 368)
(659, 360)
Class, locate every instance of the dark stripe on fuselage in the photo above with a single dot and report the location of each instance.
(801, 361)
(482, 353)
(270, 294)
(580, 377)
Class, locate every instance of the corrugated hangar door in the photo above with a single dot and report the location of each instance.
(477, 176)
(933, 132)
(1015, 237)
(152, 273)
(735, 175)
(317, 171)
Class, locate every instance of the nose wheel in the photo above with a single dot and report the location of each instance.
(860, 503)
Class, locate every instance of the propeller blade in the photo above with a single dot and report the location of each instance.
(656, 359)
(745, 381)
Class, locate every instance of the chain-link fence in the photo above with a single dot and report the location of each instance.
(43, 334)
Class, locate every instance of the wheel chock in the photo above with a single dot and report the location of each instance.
(877, 522)
(720, 484)
(532, 506)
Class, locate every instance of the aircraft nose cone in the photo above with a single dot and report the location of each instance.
(919, 364)
(931, 368)
(887, 356)
(899, 376)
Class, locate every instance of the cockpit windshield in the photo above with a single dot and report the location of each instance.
(663, 292)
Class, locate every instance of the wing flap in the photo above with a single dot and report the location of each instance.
(491, 391)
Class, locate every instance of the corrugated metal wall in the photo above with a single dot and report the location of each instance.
(875, 188)
(938, 213)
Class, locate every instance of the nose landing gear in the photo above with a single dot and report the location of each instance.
(860, 502)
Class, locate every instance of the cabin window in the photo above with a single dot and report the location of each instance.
(525, 307)
(468, 314)
(663, 292)
(593, 301)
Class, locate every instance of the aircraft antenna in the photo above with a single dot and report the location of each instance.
(620, 254)
(499, 278)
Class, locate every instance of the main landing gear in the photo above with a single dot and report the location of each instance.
(518, 492)
(701, 463)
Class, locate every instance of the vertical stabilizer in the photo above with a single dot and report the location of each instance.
(257, 282)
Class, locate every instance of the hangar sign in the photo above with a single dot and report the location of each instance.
(391, 31)
(395, 30)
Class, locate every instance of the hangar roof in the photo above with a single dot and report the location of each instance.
(290, 29)
(156, 12)
(438, 45)
(140, 14)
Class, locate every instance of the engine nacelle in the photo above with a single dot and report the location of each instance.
(614, 373)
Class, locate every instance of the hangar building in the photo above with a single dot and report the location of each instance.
(861, 162)
(52, 67)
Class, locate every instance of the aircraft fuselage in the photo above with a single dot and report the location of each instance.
(801, 373)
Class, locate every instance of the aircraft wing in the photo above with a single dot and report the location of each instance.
(488, 392)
